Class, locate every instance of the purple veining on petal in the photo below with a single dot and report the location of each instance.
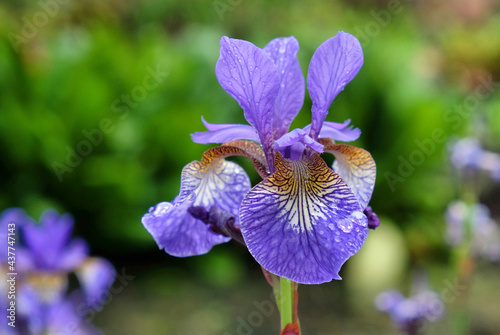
(303, 222)
(249, 75)
(334, 64)
(290, 98)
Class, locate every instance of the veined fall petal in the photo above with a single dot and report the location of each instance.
(213, 181)
(303, 222)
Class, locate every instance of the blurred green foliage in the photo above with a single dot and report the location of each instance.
(73, 73)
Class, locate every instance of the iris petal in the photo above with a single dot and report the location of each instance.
(303, 222)
(287, 141)
(96, 276)
(220, 133)
(211, 182)
(8, 216)
(290, 98)
(49, 245)
(356, 166)
(334, 64)
(73, 255)
(249, 75)
(339, 131)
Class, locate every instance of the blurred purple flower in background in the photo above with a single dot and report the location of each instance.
(45, 256)
(304, 220)
(7, 217)
(467, 155)
(473, 223)
(411, 314)
(48, 247)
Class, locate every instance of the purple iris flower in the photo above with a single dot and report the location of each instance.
(473, 223)
(58, 316)
(48, 246)
(45, 255)
(11, 221)
(304, 220)
(411, 314)
(467, 154)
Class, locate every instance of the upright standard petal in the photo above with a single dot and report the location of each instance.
(356, 166)
(303, 222)
(290, 98)
(211, 182)
(49, 245)
(249, 75)
(334, 64)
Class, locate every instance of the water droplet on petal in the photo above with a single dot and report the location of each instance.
(359, 218)
(345, 225)
(161, 208)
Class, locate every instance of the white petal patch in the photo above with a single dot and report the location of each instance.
(222, 184)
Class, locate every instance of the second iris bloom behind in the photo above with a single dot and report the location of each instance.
(303, 220)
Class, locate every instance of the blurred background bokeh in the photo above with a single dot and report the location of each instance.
(98, 98)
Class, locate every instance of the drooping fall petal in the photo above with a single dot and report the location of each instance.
(303, 222)
(213, 181)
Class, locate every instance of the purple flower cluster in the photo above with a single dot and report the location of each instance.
(473, 223)
(468, 155)
(44, 255)
(411, 314)
(304, 220)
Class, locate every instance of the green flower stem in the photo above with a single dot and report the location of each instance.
(286, 302)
